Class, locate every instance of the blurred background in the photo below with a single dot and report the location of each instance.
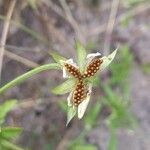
(117, 117)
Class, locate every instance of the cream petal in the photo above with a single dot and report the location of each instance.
(90, 57)
(82, 106)
(107, 60)
(69, 99)
(69, 61)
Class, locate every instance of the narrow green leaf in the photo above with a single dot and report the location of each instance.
(57, 57)
(10, 132)
(5, 108)
(113, 140)
(84, 147)
(27, 75)
(71, 113)
(65, 87)
(8, 145)
(121, 116)
(92, 115)
(121, 70)
(107, 60)
(81, 55)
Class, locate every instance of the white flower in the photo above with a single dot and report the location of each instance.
(79, 96)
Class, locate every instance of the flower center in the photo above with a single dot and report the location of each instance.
(81, 91)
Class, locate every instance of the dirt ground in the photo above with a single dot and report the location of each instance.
(52, 26)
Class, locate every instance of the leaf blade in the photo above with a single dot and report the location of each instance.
(5, 108)
(81, 55)
(57, 57)
(107, 60)
(10, 132)
(64, 88)
(71, 113)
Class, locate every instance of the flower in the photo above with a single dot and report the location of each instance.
(81, 89)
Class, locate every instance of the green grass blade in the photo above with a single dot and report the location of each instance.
(27, 75)
(5, 108)
(10, 132)
(81, 54)
(71, 113)
(57, 57)
(113, 140)
(9, 146)
(65, 87)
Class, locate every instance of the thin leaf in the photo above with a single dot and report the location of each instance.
(5, 108)
(57, 57)
(84, 147)
(113, 140)
(91, 118)
(8, 145)
(65, 87)
(10, 132)
(107, 60)
(81, 55)
(27, 75)
(71, 113)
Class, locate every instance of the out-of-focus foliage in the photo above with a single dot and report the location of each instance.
(80, 144)
(119, 103)
(146, 68)
(7, 134)
(92, 115)
(132, 2)
(121, 66)
(5, 108)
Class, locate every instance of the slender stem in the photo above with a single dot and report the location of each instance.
(110, 26)
(27, 75)
(20, 59)
(5, 31)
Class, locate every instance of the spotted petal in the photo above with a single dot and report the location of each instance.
(83, 105)
(69, 61)
(107, 60)
(91, 56)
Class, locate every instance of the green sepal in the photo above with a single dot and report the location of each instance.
(71, 113)
(65, 87)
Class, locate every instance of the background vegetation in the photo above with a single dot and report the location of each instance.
(31, 116)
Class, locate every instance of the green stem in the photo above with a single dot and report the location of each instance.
(27, 75)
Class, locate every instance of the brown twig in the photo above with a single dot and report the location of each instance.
(110, 26)
(133, 12)
(5, 31)
(79, 33)
(20, 59)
